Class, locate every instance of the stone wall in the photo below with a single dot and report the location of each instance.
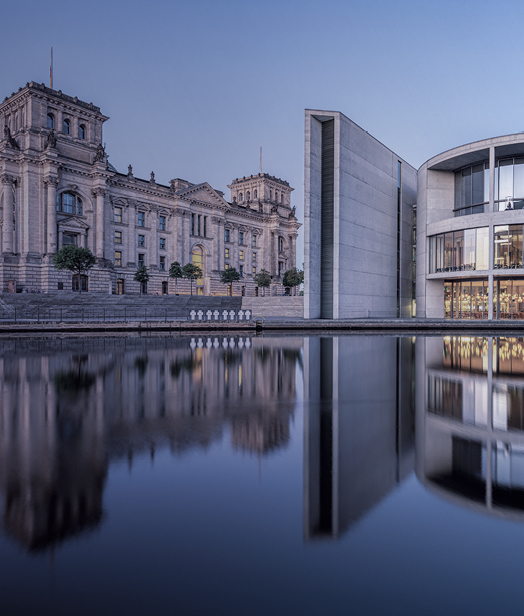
(281, 306)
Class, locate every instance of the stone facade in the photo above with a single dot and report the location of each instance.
(58, 188)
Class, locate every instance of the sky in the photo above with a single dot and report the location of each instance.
(194, 89)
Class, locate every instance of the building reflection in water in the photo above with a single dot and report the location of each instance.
(470, 421)
(358, 427)
(70, 406)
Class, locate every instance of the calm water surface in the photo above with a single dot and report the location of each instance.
(264, 475)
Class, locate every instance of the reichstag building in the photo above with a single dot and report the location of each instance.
(58, 188)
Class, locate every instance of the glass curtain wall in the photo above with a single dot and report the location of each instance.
(471, 189)
(508, 298)
(465, 250)
(466, 299)
(509, 184)
(508, 246)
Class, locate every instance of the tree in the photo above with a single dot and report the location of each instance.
(263, 279)
(229, 276)
(176, 272)
(76, 259)
(192, 272)
(141, 276)
(293, 278)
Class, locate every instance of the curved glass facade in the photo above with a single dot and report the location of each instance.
(509, 184)
(471, 189)
(459, 251)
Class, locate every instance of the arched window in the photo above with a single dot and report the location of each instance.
(197, 258)
(65, 126)
(270, 194)
(280, 244)
(82, 131)
(281, 197)
(241, 196)
(256, 194)
(50, 121)
(69, 203)
(248, 196)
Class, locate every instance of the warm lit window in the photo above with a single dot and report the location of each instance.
(226, 253)
(66, 125)
(141, 259)
(162, 243)
(69, 203)
(118, 237)
(141, 219)
(118, 214)
(162, 223)
(162, 264)
(141, 240)
(50, 121)
(254, 270)
(118, 258)
(254, 257)
(240, 237)
(82, 131)
(226, 235)
(241, 255)
(226, 266)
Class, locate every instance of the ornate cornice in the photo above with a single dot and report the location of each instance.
(51, 180)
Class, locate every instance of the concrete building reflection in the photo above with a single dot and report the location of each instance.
(70, 406)
(470, 421)
(358, 427)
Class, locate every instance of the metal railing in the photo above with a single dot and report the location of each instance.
(119, 315)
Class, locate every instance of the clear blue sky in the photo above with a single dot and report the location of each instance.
(193, 89)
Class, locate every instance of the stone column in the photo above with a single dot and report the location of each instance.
(51, 184)
(99, 194)
(153, 248)
(8, 184)
(131, 241)
(217, 240)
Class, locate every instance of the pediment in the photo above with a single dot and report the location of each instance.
(203, 193)
(73, 223)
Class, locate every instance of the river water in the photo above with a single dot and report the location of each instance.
(261, 475)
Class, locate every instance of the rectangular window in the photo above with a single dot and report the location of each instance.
(254, 241)
(162, 223)
(199, 220)
(118, 214)
(241, 270)
(141, 219)
(69, 239)
(226, 253)
(205, 226)
(118, 237)
(118, 258)
(226, 235)
(192, 224)
(508, 246)
(254, 257)
(280, 268)
(162, 243)
(226, 266)
(483, 248)
(254, 270)
(241, 255)
(162, 264)
(141, 259)
(240, 237)
(142, 240)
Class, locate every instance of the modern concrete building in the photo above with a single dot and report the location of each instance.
(470, 231)
(359, 199)
(58, 188)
